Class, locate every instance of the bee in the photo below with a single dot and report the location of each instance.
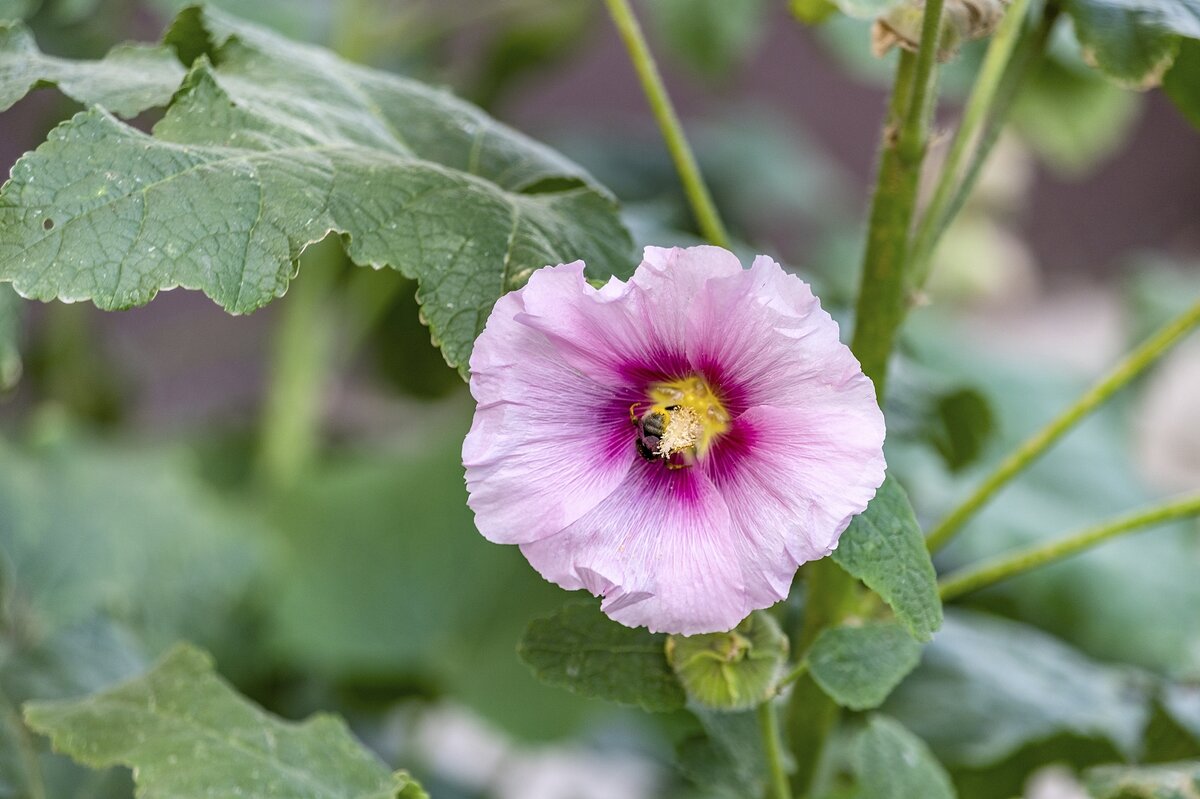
(650, 430)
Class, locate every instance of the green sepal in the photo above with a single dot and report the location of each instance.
(733, 670)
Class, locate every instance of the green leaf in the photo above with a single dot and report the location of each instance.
(1168, 736)
(87, 527)
(127, 81)
(987, 686)
(728, 761)
(858, 666)
(964, 425)
(710, 36)
(1089, 476)
(734, 670)
(884, 547)
(17, 9)
(1132, 41)
(70, 663)
(267, 152)
(1182, 82)
(1167, 781)
(1073, 118)
(19, 766)
(186, 733)
(892, 763)
(74, 661)
(356, 607)
(582, 650)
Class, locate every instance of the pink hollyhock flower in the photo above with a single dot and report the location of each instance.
(678, 444)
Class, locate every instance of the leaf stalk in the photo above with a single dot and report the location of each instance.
(974, 578)
(768, 720)
(698, 196)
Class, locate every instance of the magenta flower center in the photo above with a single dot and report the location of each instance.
(680, 420)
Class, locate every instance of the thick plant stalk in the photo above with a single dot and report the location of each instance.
(1033, 448)
(707, 218)
(302, 363)
(882, 299)
(973, 578)
(832, 593)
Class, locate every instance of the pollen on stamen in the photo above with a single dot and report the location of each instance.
(682, 433)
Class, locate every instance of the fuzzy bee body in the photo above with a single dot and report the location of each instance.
(650, 429)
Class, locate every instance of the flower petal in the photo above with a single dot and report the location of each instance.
(548, 442)
(794, 478)
(660, 550)
(627, 333)
(764, 338)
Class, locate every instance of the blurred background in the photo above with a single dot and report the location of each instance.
(285, 488)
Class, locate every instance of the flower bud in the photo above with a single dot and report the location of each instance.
(962, 21)
(734, 670)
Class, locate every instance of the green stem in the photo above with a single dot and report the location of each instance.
(980, 576)
(915, 131)
(981, 106)
(300, 369)
(832, 594)
(882, 300)
(768, 721)
(800, 670)
(668, 121)
(1134, 364)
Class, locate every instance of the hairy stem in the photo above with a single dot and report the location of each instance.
(832, 594)
(880, 305)
(981, 109)
(768, 721)
(697, 192)
(882, 298)
(982, 575)
(1133, 365)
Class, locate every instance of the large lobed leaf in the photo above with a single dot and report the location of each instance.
(267, 147)
(127, 81)
(86, 528)
(987, 686)
(884, 547)
(357, 604)
(186, 733)
(581, 649)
